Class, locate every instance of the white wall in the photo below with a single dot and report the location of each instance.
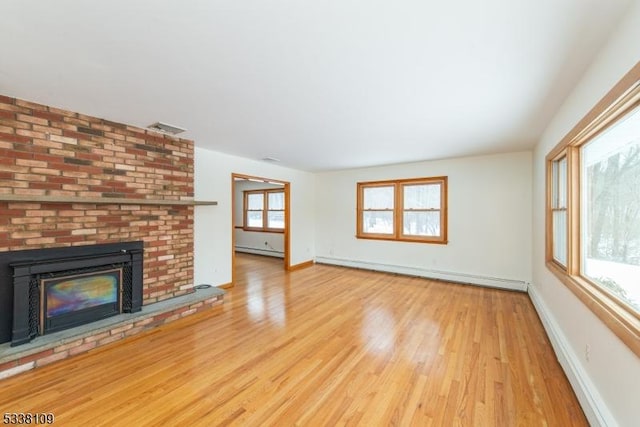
(489, 222)
(213, 224)
(608, 383)
(258, 242)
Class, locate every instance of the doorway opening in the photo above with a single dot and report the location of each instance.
(260, 217)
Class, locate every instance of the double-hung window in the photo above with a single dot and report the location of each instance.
(264, 210)
(593, 210)
(407, 210)
(559, 209)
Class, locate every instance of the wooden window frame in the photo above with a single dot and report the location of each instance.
(555, 205)
(398, 210)
(623, 320)
(265, 210)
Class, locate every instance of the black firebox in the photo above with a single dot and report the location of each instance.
(47, 290)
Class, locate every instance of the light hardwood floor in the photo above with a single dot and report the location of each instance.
(320, 346)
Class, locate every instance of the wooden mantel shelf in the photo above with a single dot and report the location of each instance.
(102, 200)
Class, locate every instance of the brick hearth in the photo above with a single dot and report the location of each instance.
(61, 345)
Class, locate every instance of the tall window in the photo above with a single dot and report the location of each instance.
(264, 210)
(378, 209)
(559, 209)
(408, 210)
(593, 210)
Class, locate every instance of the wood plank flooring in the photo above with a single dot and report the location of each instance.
(320, 346)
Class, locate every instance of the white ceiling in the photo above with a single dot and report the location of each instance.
(320, 85)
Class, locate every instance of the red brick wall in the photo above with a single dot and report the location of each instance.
(48, 152)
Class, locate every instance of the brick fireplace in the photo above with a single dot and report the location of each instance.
(72, 180)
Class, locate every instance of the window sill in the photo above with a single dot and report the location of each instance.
(400, 239)
(261, 230)
(625, 324)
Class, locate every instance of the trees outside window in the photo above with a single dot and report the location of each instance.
(610, 193)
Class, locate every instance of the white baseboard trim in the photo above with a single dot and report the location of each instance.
(258, 251)
(592, 403)
(494, 282)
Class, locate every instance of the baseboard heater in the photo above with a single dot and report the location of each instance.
(259, 251)
(494, 282)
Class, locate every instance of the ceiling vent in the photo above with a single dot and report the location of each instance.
(166, 128)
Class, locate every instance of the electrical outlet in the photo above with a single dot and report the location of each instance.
(587, 352)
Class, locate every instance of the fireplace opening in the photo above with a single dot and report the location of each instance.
(47, 290)
(76, 299)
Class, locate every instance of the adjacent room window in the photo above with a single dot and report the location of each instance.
(254, 210)
(593, 211)
(264, 210)
(407, 210)
(275, 210)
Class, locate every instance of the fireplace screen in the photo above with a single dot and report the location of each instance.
(75, 299)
